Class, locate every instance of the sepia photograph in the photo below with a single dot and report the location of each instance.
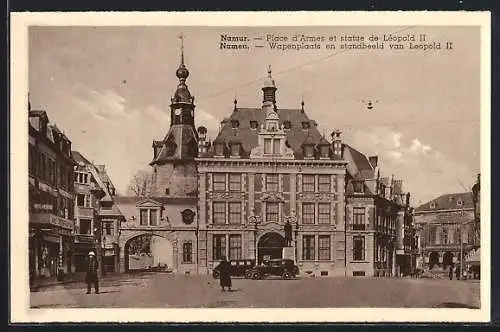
(303, 166)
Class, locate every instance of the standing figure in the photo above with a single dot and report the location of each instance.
(225, 274)
(91, 276)
(451, 272)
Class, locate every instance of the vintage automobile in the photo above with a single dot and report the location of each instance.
(284, 268)
(239, 268)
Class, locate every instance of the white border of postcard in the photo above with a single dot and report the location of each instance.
(19, 296)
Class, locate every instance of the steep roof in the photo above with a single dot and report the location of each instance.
(176, 144)
(79, 158)
(448, 202)
(365, 169)
(249, 137)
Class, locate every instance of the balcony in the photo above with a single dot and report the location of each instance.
(358, 227)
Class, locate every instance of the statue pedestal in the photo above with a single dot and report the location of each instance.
(289, 253)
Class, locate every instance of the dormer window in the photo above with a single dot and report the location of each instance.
(148, 217)
(325, 151)
(272, 146)
(235, 124)
(432, 205)
(272, 126)
(358, 187)
(254, 125)
(309, 151)
(287, 125)
(235, 149)
(460, 202)
(219, 149)
(305, 125)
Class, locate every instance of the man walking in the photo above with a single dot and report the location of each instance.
(91, 277)
(225, 274)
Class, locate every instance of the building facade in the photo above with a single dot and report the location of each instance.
(97, 224)
(51, 198)
(266, 168)
(445, 229)
(378, 226)
(161, 231)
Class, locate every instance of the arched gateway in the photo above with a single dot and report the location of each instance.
(270, 246)
(147, 251)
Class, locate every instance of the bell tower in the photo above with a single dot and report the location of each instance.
(174, 167)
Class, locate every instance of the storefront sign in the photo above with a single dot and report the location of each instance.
(42, 207)
(50, 219)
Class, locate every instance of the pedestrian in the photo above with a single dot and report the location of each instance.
(91, 277)
(457, 272)
(225, 274)
(451, 272)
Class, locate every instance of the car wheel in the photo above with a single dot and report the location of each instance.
(256, 275)
(216, 274)
(286, 275)
(248, 274)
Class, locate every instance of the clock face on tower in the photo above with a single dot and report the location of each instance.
(178, 111)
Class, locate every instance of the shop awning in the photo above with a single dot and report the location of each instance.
(474, 257)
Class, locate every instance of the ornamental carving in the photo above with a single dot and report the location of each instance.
(316, 196)
(227, 196)
(273, 197)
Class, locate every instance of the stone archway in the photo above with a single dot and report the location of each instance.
(148, 251)
(433, 259)
(270, 245)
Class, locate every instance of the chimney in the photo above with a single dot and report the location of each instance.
(373, 161)
(337, 144)
(202, 136)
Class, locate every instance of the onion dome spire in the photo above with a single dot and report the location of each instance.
(182, 94)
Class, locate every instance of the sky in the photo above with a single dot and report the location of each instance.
(109, 90)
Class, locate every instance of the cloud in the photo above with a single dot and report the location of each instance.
(106, 105)
(425, 171)
(418, 147)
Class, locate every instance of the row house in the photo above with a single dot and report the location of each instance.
(377, 219)
(97, 216)
(51, 198)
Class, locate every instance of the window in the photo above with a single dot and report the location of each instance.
(460, 202)
(324, 213)
(144, 217)
(187, 252)
(85, 226)
(358, 218)
(272, 183)
(219, 246)
(308, 247)
(108, 228)
(83, 200)
(234, 246)
(153, 217)
(235, 213)
(268, 148)
(287, 124)
(305, 125)
(81, 177)
(444, 236)
(272, 211)
(276, 146)
(308, 213)
(219, 212)
(324, 247)
(358, 248)
(219, 182)
(234, 182)
(254, 124)
(324, 183)
(308, 183)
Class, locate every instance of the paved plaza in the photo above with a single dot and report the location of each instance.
(169, 290)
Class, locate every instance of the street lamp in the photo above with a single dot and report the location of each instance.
(98, 193)
(253, 220)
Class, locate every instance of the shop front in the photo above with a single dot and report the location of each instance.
(50, 245)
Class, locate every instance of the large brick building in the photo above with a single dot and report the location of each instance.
(269, 166)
